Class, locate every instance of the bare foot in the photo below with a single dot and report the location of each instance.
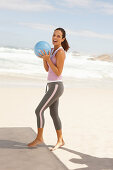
(58, 145)
(35, 142)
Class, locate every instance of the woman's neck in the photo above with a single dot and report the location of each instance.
(56, 47)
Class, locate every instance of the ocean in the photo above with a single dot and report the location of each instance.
(24, 63)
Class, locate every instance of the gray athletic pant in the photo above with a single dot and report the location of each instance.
(51, 100)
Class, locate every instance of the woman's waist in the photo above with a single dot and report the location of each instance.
(53, 83)
(53, 77)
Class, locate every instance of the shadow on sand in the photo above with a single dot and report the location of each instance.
(10, 144)
(92, 163)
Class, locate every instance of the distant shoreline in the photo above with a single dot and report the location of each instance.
(40, 81)
(77, 53)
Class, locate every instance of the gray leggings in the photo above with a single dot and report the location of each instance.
(51, 100)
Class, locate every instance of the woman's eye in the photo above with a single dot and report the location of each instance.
(58, 36)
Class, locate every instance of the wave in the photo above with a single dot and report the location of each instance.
(25, 62)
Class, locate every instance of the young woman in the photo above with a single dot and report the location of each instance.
(53, 64)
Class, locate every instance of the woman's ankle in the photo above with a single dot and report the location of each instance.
(60, 140)
(40, 138)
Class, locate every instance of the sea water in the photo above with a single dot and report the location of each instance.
(23, 62)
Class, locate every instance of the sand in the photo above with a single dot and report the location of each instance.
(86, 115)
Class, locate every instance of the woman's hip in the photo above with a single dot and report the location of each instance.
(58, 86)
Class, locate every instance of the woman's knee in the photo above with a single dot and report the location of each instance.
(54, 115)
(37, 111)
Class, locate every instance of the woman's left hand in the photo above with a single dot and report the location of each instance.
(45, 56)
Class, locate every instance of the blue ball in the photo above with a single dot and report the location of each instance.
(42, 45)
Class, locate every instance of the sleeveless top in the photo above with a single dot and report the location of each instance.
(52, 77)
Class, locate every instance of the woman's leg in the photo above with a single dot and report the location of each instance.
(54, 115)
(57, 124)
(47, 100)
(39, 138)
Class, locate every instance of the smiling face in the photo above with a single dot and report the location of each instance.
(57, 38)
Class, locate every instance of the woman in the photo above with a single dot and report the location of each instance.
(53, 64)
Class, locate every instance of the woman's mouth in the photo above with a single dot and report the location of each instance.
(54, 41)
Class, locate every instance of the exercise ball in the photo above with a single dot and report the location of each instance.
(42, 45)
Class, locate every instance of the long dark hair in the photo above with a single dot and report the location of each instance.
(64, 44)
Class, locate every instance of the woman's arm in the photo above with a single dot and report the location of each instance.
(60, 57)
(45, 65)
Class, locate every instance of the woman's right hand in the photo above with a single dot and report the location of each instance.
(44, 55)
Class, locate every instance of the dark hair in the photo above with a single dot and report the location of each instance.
(64, 44)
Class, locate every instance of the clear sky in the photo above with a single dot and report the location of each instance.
(88, 23)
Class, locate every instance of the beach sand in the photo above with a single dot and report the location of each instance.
(86, 114)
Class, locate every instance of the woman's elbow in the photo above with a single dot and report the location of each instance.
(59, 73)
(47, 69)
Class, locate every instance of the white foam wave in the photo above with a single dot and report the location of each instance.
(24, 61)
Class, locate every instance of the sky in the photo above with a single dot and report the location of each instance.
(88, 23)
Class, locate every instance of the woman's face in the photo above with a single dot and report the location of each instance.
(57, 38)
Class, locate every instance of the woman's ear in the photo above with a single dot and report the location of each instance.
(63, 39)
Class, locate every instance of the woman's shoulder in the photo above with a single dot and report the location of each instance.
(60, 53)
